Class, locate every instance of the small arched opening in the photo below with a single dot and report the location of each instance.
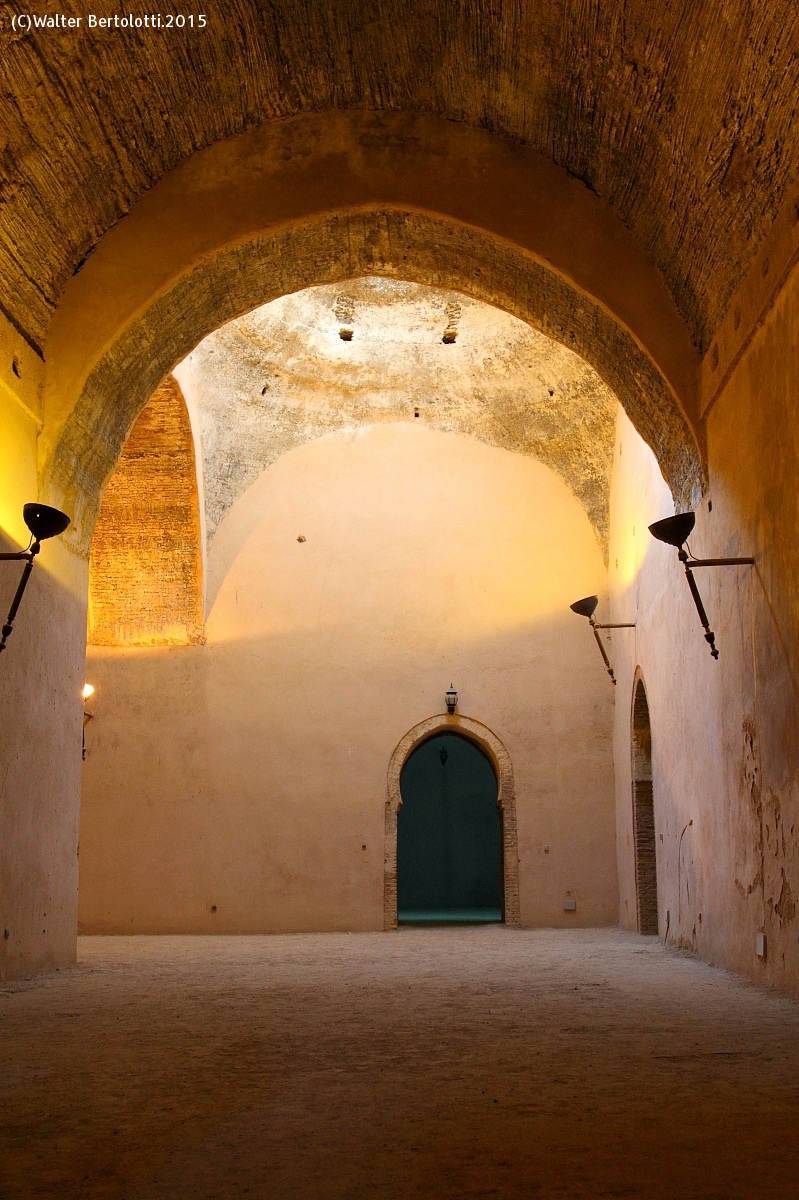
(646, 891)
(459, 854)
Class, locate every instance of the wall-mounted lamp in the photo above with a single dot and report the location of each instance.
(674, 532)
(88, 690)
(451, 699)
(586, 608)
(44, 522)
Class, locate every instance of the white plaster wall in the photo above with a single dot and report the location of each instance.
(250, 773)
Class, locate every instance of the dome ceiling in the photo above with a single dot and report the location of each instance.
(335, 358)
(681, 116)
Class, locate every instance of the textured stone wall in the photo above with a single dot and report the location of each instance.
(145, 567)
(283, 375)
(725, 733)
(683, 120)
(391, 244)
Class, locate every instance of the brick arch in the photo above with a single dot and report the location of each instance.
(492, 747)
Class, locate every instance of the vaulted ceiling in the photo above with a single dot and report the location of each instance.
(283, 375)
(682, 116)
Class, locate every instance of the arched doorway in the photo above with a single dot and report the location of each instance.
(481, 740)
(449, 835)
(646, 891)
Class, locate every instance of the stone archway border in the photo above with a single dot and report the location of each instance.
(393, 244)
(490, 744)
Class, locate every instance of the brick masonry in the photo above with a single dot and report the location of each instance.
(145, 567)
(644, 815)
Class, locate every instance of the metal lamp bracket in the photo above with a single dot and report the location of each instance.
(689, 564)
(586, 608)
(675, 531)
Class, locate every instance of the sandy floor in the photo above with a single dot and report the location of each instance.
(435, 1063)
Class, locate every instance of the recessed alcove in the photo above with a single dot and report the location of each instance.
(252, 767)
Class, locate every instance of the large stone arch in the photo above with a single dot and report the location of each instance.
(385, 242)
(490, 744)
(326, 197)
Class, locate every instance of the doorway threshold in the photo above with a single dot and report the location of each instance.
(450, 916)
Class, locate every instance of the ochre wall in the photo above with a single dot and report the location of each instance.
(41, 672)
(753, 436)
(725, 734)
(682, 686)
(251, 773)
(145, 566)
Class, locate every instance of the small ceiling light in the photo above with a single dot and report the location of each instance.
(674, 531)
(88, 690)
(451, 700)
(43, 522)
(586, 608)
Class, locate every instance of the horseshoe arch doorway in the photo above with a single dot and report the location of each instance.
(449, 836)
(451, 847)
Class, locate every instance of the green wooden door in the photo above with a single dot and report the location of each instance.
(449, 837)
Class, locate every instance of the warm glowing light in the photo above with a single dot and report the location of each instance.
(500, 569)
(88, 690)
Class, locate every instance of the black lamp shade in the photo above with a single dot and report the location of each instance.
(673, 530)
(585, 607)
(44, 522)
